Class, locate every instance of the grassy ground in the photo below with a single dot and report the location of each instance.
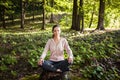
(20, 49)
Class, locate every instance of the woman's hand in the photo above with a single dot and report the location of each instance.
(70, 60)
(40, 62)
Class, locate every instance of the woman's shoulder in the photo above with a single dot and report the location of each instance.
(50, 39)
(64, 39)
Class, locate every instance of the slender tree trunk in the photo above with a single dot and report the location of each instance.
(22, 14)
(52, 18)
(3, 14)
(78, 18)
(81, 15)
(92, 16)
(3, 18)
(0, 14)
(43, 24)
(101, 15)
(82, 28)
(74, 15)
(12, 16)
(52, 15)
(33, 11)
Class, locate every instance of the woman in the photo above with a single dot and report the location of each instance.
(56, 45)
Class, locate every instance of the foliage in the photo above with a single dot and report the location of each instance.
(6, 62)
(59, 6)
(33, 57)
(96, 55)
(12, 11)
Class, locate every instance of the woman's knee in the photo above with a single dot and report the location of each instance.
(47, 63)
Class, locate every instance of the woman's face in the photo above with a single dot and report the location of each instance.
(56, 31)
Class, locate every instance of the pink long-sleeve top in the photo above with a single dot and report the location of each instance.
(57, 50)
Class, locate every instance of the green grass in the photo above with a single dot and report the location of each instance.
(90, 49)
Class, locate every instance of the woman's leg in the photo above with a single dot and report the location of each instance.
(48, 65)
(62, 65)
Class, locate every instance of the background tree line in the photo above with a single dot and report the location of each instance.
(83, 13)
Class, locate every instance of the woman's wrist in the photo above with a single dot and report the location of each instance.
(70, 57)
(41, 59)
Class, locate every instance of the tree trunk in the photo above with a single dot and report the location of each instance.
(74, 15)
(78, 19)
(92, 16)
(101, 15)
(82, 28)
(43, 24)
(81, 15)
(78, 16)
(12, 16)
(52, 15)
(2, 8)
(52, 18)
(33, 10)
(0, 14)
(22, 13)
(3, 18)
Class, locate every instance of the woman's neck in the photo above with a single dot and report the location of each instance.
(57, 39)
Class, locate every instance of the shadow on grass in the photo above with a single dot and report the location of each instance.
(30, 24)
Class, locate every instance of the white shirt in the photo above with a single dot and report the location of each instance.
(57, 50)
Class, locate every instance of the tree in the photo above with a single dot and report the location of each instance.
(78, 16)
(43, 24)
(22, 14)
(100, 25)
(81, 16)
(4, 5)
(33, 6)
(74, 16)
(3, 16)
(92, 16)
(52, 15)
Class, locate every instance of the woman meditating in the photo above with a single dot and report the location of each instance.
(56, 45)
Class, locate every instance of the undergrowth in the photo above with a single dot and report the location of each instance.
(96, 56)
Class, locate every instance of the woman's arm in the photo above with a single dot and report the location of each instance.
(44, 53)
(69, 52)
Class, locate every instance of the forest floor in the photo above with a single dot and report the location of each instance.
(22, 70)
(26, 72)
